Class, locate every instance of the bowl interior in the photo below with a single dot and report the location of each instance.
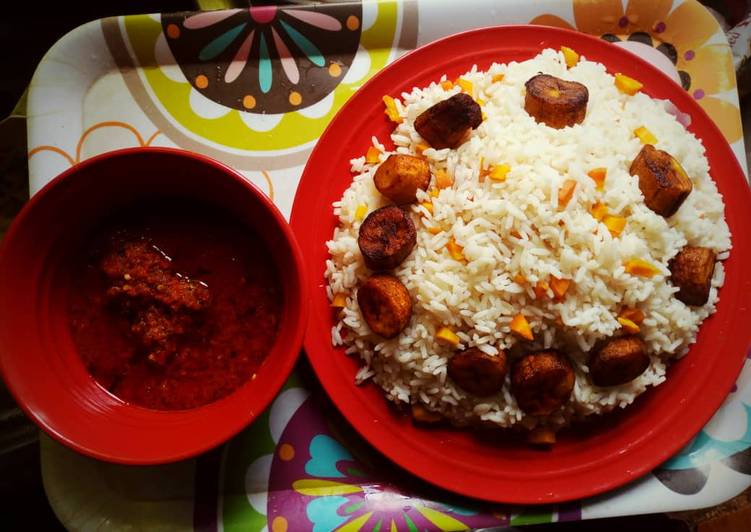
(37, 355)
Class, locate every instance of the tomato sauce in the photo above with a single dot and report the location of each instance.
(174, 306)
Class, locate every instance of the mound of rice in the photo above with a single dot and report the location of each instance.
(516, 227)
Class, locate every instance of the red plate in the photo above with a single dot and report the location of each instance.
(582, 463)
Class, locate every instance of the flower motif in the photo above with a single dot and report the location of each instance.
(265, 58)
(683, 35)
(231, 118)
(316, 482)
(304, 468)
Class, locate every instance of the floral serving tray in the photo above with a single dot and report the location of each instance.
(255, 88)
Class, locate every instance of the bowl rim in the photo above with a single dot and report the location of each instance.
(297, 324)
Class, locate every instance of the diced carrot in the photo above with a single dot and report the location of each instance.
(421, 147)
(634, 314)
(641, 268)
(361, 211)
(466, 85)
(455, 250)
(599, 211)
(339, 301)
(483, 170)
(570, 56)
(447, 84)
(497, 77)
(645, 135)
(422, 415)
(598, 175)
(628, 325)
(626, 84)
(520, 279)
(541, 436)
(498, 172)
(434, 192)
(559, 286)
(520, 326)
(443, 179)
(446, 336)
(678, 168)
(541, 289)
(434, 230)
(391, 110)
(373, 155)
(428, 206)
(615, 224)
(566, 192)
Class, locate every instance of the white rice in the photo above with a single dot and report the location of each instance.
(477, 298)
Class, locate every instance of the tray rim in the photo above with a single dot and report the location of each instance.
(67, 40)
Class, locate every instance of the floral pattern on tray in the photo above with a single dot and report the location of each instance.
(262, 79)
(265, 59)
(320, 475)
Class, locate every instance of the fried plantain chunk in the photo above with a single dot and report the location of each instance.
(662, 180)
(555, 102)
(477, 372)
(542, 382)
(387, 236)
(399, 177)
(385, 305)
(691, 271)
(618, 361)
(446, 124)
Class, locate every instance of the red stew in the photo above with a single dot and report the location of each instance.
(174, 307)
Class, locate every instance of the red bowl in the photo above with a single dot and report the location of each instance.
(38, 359)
